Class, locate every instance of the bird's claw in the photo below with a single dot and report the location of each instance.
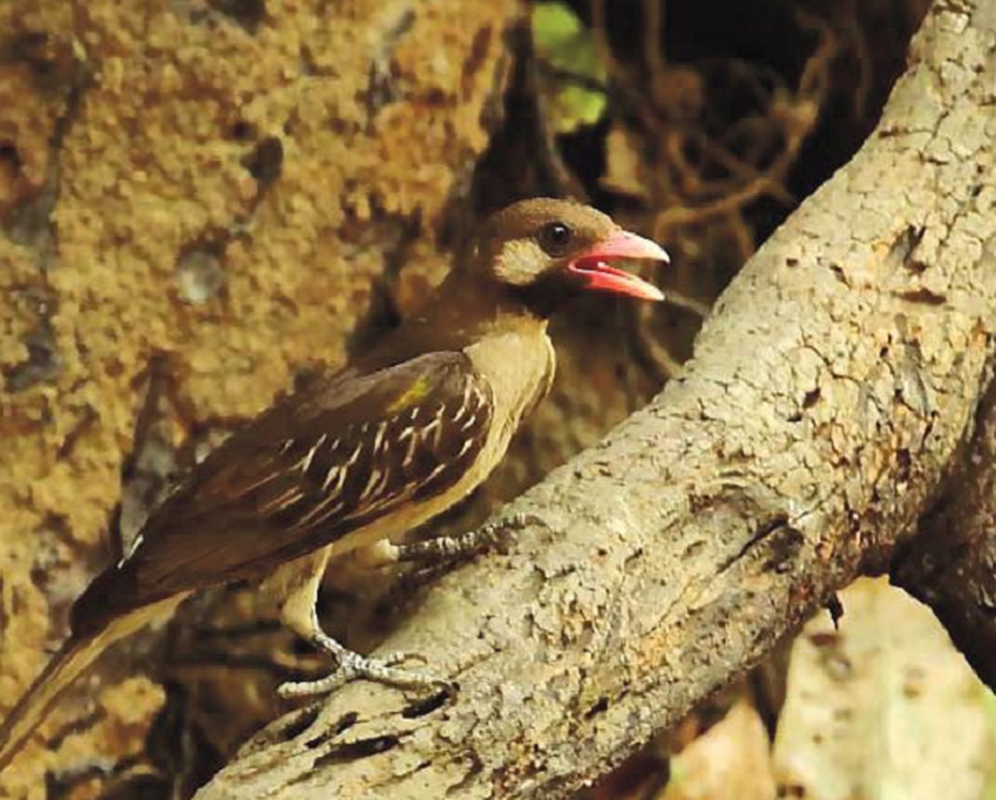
(352, 666)
(446, 549)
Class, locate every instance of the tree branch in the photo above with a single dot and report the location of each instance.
(952, 566)
(827, 398)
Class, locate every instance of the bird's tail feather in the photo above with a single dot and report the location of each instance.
(73, 658)
(65, 667)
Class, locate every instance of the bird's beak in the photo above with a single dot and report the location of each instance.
(599, 276)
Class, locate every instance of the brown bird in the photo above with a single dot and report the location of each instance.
(361, 456)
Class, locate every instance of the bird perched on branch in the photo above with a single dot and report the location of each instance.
(363, 455)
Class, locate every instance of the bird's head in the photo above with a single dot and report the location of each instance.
(547, 251)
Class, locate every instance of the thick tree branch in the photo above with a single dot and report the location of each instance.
(827, 398)
(952, 566)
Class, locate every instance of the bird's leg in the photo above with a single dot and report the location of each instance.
(299, 581)
(350, 666)
(440, 550)
(451, 548)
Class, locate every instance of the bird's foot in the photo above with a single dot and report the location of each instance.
(352, 666)
(450, 548)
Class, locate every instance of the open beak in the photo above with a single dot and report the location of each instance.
(598, 275)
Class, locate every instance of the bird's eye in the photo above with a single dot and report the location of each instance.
(555, 238)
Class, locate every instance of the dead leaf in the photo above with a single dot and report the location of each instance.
(731, 761)
(883, 708)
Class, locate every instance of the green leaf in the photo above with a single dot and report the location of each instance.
(565, 49)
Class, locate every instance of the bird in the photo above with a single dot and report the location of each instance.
(361, 455)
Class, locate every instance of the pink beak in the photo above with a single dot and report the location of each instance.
(599, 276)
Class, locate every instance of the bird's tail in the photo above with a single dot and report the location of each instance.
(73, 658)
(65, 667)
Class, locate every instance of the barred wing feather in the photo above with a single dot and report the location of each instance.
(315, 467)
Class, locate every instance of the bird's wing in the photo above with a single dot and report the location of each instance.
(304, 474)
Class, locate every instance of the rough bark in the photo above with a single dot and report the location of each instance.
(952, 566)
(827, 399)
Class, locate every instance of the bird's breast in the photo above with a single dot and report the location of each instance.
(519, 367)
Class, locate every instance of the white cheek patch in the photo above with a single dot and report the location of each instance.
(520, 261)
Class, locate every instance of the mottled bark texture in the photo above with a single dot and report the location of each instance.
(827, 401)
(216, 188)
(951, 566)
